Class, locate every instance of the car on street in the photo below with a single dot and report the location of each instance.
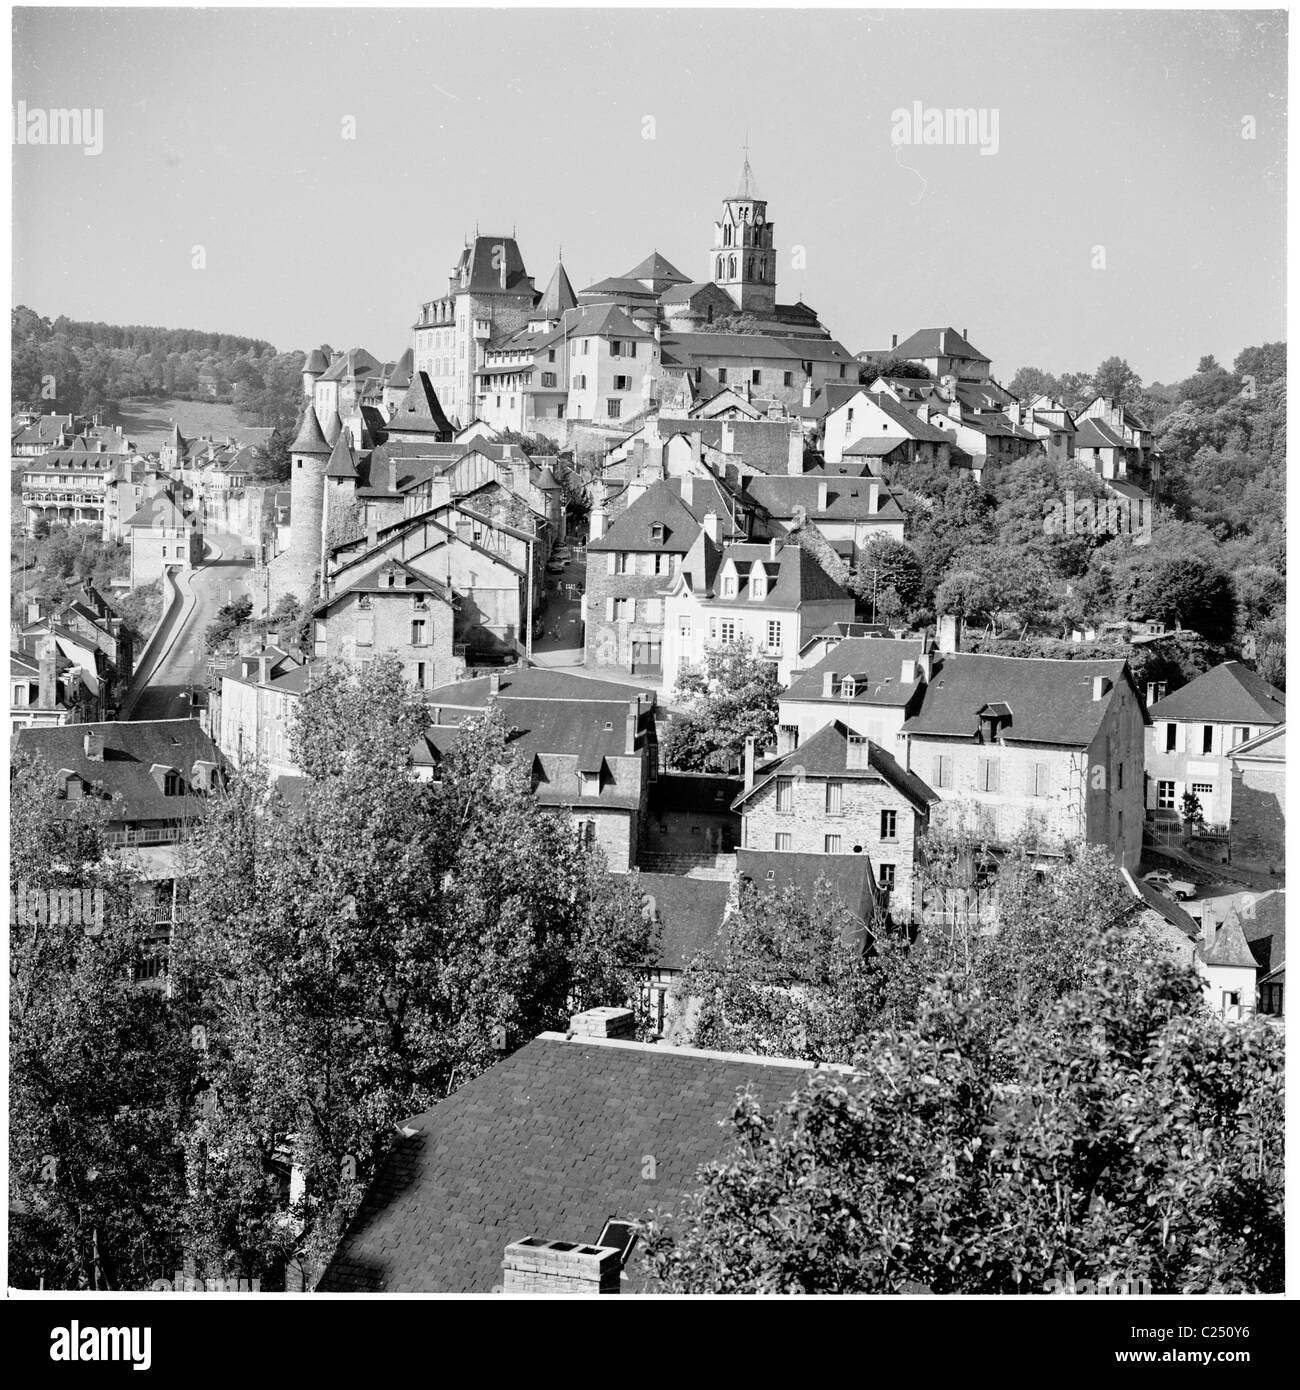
(555, 567)
(1163, 881)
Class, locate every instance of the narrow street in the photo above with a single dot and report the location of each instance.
(214, 585)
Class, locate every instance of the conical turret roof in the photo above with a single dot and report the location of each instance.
(1230, 946)
(558, 296)
(343, 462)
(310, 440)
(334, 429)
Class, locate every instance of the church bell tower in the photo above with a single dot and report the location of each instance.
(743, 259)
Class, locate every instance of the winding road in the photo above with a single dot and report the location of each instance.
(213, 584)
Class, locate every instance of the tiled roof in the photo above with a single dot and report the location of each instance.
(875, 663)
(131, 750)
(937, 342)
(550, 1142)
(1226, 694)
(1050, 701)
(690, 912)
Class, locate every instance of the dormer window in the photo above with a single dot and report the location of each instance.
(758, 585)
(172, 785)
(589, 783)
(657, 532)
(729, 586)
(848, 688)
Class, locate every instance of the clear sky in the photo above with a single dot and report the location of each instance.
(225, 129)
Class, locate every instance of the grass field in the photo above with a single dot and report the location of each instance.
(149, 422)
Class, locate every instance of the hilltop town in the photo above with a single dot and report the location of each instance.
(630, 696)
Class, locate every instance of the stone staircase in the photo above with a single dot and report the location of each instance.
(720, 867)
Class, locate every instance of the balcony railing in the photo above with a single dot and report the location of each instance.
(151, 835)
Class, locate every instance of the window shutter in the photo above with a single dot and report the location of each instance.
(631, 610)
(609, 610)
(993, 776)
(612, 558)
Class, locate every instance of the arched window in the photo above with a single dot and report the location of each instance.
(732, 268)
(720, 265)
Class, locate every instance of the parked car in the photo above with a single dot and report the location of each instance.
(555, 567)
(1166, 883)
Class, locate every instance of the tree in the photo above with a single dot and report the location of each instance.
(1029, 382)
(887, 365)
(1129, 1136)
(1116, 379)
(1194, 593)
(733, 697)
(791, 978)
(1190, 810)
(1265, 364)
(102, 1077)
(888, 563)
(364, 949)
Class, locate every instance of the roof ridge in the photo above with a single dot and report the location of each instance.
(627, 1044)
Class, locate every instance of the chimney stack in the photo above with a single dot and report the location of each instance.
(604, 1023)
(264, 668)
(807, 391)
(93, 744)
(751, 761)
(633, 722)
(949, 634)
(688, 491)
(924, 665)
(894, 344)
(772, 548)
(560, 1268)
(828, 684)
(494, 683)
(1100, 686)
(47, 652)
(711, 525)
(873, 496)
(823, 495)
(908, 671)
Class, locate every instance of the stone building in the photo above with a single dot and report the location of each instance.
(839, 793)
(1257, 821)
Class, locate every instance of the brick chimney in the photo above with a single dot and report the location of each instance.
(604, 1023)
(560, 1268)
(93, 744)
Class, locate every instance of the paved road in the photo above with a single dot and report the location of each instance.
(185, 665)
(560, 643)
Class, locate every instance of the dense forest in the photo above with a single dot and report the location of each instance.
(65, 365)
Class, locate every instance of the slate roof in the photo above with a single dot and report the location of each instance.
(1229, 946)
(846, 500)
(311, 439)
(937, 342)
(825, 754)
(484, 268)
(160, 510)
(876, 663)
(131, 749)
(549, 1142)
(355, 362)
(690, 913)
(1226, 694)
(656, 267)
(686, 290)
(913, 425)
(557, 297)
(620, 284)
(603, 321)
(1051, 701)
(849, 876)
(369, 584)
(659, 505)
(418, 412)
(1097, 434)
(343, 461)
(800, 579)
(316, 362)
